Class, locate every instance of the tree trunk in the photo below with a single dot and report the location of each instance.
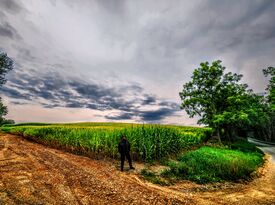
(219, 135)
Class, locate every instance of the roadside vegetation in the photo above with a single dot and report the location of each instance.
(210, 163)
(216, 164)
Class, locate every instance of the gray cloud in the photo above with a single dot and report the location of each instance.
(6, 30)
(53, 90)
(122, 116)
(10, 6)
(156, 115)
(155, 44)
(149, 100)
(13, 93)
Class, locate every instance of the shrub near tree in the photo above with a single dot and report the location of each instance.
(6, 64)
(222, 102)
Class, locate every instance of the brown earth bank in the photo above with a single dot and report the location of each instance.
(31, 173)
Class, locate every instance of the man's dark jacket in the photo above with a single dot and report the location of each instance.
(124, 147)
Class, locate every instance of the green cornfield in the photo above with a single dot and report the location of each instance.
(149, 142)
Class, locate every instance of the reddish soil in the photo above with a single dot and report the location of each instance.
(31, 173)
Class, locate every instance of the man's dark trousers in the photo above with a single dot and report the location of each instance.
(122, 159)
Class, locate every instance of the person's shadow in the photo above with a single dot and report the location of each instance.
(125, 169)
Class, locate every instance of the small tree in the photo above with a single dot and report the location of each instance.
(6, 64)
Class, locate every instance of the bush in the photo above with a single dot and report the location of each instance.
(6, 122)
(245, 146)
(152, 177)
(209, 164)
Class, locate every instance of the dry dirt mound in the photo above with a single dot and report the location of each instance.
(34, 174)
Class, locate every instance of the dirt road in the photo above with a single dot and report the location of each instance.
(31, 173)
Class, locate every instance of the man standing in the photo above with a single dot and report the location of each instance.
(124, 150)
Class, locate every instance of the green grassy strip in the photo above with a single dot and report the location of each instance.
(212, 164)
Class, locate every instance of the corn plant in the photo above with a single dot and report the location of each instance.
(148, 142)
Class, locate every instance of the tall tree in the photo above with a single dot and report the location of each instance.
(6, 64)
(220, 100)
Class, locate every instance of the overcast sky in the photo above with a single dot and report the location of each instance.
(126, 61)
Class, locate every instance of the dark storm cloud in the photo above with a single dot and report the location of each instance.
(147, 116)
(15, 94)
(93, 90)
(149, 99)
(166, 108)
(156, 115)
(52, 90)
(122, 116)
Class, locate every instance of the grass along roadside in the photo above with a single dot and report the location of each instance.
(216, 164)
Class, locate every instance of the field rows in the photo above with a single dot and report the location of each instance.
(148, 142)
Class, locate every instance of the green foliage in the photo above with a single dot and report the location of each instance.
(222, 102)
(264, 129)
(6, 64)
(209, 164)
(148, 142)
(147, 173)
(26, 124)
(245, 146)
(270, 71)
(199, 95)
(3, 111)
(7, 122)
(152, 177)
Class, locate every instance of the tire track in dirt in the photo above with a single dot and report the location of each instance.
(31, 173)
(35, 174)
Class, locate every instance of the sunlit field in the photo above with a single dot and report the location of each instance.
(148, 142)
